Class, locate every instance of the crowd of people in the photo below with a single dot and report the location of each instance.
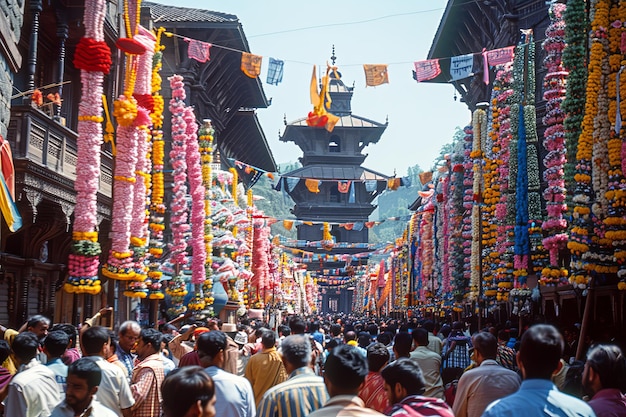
(320, 367)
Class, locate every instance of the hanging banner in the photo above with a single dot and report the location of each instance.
(427, 70)
(376, 74)
(275, 71)
(251, 64)
(461, 67)
(198, 50)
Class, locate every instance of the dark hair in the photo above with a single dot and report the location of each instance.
(211, 343)
(609, 363)
(364, 339)
(25, 346)
(372, 329)
(69, 329)
(296, 349)
(56, 343)
(402, 344)
(407, 373)
(335, 329)
(350, 335)
(314, 326)
(153, 337)
(346, 367)
(377, 356)
(36, 319)
(297, 325)
(384, 338)
(5, 350)
(268, 339)
(420, 336)
(540, 351)
(93, 339)
(504, 335)
(284, 330)
(183, 387)
(429, 325)
(86, 369)
(487, 344)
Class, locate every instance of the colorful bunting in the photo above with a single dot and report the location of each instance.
(376, 74)
(251, 64)
(500, 56)
(313, 185)
(275, 71)
(461, 67)
(198, 50)
(343, 186)
(427, 70)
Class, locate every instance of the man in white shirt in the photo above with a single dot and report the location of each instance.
(114, 390)
(33, 391)
(488, 382)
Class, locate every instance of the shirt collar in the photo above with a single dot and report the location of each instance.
(488, 362)
(301, 371)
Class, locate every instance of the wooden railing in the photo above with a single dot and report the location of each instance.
(40, 139)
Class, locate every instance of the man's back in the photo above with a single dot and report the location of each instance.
(114, 391)
(32, 392)
(430, 363)
(303, 393)
(264, 370)
(345, 405)
(233, 393)
(481, 386)
(538, 397)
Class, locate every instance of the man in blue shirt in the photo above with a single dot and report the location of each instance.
(233, 394)
(538, 358)
(54, 347)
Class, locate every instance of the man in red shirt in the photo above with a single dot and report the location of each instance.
(373, 389)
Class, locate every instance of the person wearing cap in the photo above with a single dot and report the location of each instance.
(231, 353)
(233, 393)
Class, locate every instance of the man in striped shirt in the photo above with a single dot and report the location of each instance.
(303, 392)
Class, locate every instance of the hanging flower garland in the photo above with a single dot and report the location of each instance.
(205, 138)
(479, 119)
(616, 194)
(502, 252)
(179, 225)
(120, 263)
(93, 58)
(139, 285)
(468, 203)
(156, 224)
(554, 194)
(580, 237)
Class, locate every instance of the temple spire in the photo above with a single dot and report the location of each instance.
(333, 58)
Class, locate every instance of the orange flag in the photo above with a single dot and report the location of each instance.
(312, 185)
(251, 64)
(288, 224)
(376, 74)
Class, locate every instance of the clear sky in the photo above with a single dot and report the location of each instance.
(422, 117)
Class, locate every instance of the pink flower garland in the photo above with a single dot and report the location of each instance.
(197, 192)
(555, 80)
(83, 262)
(177, 157)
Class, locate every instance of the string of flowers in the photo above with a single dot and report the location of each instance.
(444, 239)
(502, 130)
(580, 238)
(156, 223)
(205, 137)
(479, 119)
(197, 192)
(93, 58)
(554, 194)
(455, 218)
(138, 286)
(575, 62)
(468, 203)
(616, 194)
(179, 225)
(120, 264)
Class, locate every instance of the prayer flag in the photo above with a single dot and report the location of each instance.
(376, 74)
(315, 95)
(427, 70)
(251, 64)
(313, 185)
(275, 71)
(370, 185)
(198, 50)
(500, 56)
(461, 66)
(343, 186)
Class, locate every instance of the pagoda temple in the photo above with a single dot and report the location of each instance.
(332, 190)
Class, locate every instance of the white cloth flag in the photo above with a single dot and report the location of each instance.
(461, 66)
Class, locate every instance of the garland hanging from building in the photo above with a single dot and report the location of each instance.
(555, 82)
(93, 58)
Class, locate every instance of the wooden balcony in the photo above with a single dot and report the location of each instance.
(45, 146)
